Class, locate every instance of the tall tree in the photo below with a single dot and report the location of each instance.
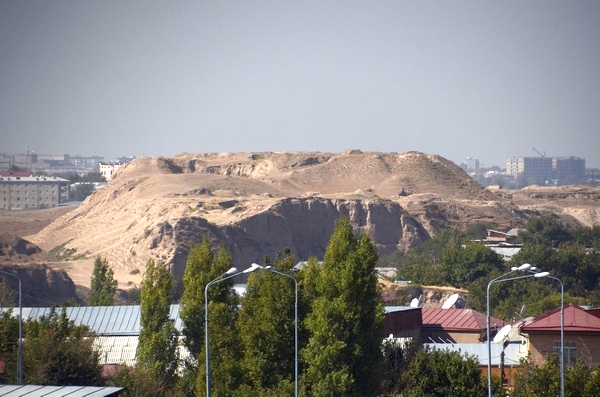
(157, 346)
(103, 284)
(203, 266)
(58, 352)
(343, 355)
(267, 330)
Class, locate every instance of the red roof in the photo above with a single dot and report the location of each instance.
(458, 319)
(576, 320)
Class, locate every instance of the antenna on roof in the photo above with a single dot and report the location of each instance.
(448, 303)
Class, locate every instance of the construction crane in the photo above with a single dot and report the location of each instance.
(541, 155)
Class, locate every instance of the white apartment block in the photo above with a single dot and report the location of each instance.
(108, 169)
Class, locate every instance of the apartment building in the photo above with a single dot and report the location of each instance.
(32, 192)
(547, 169)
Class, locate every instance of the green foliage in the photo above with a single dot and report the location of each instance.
(267, 331)
(57, 352)
(82, 191)
(544, 230)
(9, 344)
(343, 353)
(544, 380)
(156, 352)
(203, 266)
(103, 284)
(463, 264)
(434, 372)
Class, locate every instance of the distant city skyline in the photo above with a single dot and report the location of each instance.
(489, 80)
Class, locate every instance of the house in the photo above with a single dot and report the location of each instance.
(581, 335)
(456, 325)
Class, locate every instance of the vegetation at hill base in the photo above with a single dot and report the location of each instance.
(252, 338)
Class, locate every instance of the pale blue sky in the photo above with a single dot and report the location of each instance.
(488, 79)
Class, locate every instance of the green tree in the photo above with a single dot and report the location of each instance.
(343, 354)
(203, 266)
(544, 230)
(103, 284)
(157, 346)
(434, 373)
(9, 344)
(58, 352)
(267, 330)
(82, 191)
(464, 263)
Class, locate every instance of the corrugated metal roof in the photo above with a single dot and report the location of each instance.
(58, 391)
(576, 320)
(103, 320)
(458, 319)
(512, 353)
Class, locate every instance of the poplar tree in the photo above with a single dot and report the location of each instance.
(157, 346)
(204, 265)
(267, 329)
(344, 351)
(103, 284)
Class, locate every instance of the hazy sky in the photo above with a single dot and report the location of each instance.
(487, 79)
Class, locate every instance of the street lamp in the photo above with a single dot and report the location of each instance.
(20, 349)
(562, 328)
(227, 275)
(500, 279)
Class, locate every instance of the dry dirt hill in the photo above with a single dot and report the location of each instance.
(260, 203)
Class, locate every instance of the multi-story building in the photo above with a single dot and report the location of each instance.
(32, 192)
(108, 169)
(538, 169)
(547, 169)
(568, 169)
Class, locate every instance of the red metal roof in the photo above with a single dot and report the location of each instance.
(576, 320)
(458, 319)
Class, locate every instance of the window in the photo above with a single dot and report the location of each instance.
(570, 350)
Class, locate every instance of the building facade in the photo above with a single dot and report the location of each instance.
(547, 169)
(32, 192)
(108, 169)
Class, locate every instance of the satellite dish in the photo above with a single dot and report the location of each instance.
(450, 301)
(522, 312)
(503, 333)
(417, 302)
(460, 303)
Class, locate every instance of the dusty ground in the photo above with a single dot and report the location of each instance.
(25, 223)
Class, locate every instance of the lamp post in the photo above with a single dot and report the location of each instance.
(500, 279)
(20, 348)
(227, 275)
(272, 269)
(562, 329)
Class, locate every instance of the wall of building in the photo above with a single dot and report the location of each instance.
(587, 347)
(23, 193)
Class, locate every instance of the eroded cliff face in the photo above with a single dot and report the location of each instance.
(302, 225)
(259, 203)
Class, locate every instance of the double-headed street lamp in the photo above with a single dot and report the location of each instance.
(232, 273)
(20, 348)
(534, 271)
(501, 279)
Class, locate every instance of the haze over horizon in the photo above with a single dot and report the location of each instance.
(488, 80)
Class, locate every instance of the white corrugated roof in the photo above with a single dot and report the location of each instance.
(58, 391)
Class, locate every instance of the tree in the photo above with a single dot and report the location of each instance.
(157, 346)
(267, 330)
(343, 354)
(436, 372)
(202, 267)
(103, 284)
(464, 263)
(542, 230)
(9, 344)
(82, 191)
(58, 352)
